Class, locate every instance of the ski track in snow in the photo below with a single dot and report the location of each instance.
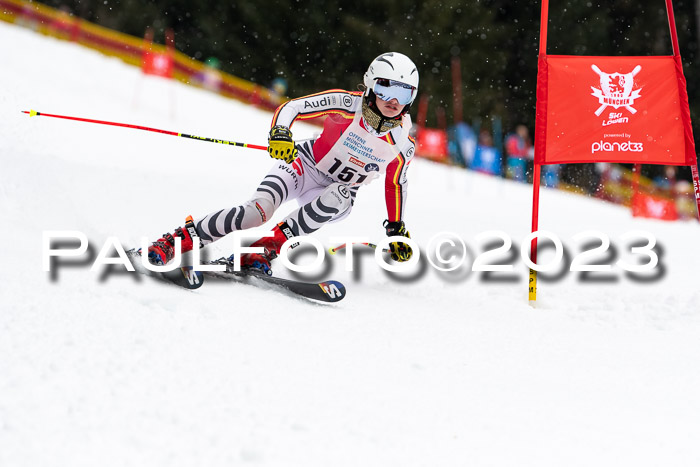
(125, 371)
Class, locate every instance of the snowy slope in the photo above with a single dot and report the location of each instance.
(438, 370)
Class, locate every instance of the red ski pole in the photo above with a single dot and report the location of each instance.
(33, 113)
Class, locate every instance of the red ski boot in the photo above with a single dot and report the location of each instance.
(163, 250)
(272, 246)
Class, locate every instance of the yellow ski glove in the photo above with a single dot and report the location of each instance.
(280, 144)
(400, 251)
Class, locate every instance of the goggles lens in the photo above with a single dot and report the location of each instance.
(387, 89)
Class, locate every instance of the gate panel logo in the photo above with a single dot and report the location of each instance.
(616, 90)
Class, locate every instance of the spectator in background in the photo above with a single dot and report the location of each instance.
(685, 199)
(485, 139)
(210, 76)
(519, 153)
(550, 175)
(610, 182)
(487, 159)
(666, 180)
(279, 88)
(462, 144)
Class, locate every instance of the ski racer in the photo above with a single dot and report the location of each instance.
(365, 135)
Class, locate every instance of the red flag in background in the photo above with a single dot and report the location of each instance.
(158, 63)
(655, 207)
(432, 143)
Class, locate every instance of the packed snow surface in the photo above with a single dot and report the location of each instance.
(116, 369)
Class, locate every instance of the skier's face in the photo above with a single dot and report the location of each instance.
(390, 108)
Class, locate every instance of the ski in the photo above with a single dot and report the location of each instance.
(185, 276)
(328, 291)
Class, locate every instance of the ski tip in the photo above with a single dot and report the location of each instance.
(185, 277)
(334, 291)
(32, 113)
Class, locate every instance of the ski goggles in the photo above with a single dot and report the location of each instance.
(388, 89)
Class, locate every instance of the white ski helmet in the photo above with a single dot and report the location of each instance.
(393, 66)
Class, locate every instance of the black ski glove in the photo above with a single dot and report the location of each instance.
(280, 144)
(400, 251)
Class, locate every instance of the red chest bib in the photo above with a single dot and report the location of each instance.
(350, 154)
